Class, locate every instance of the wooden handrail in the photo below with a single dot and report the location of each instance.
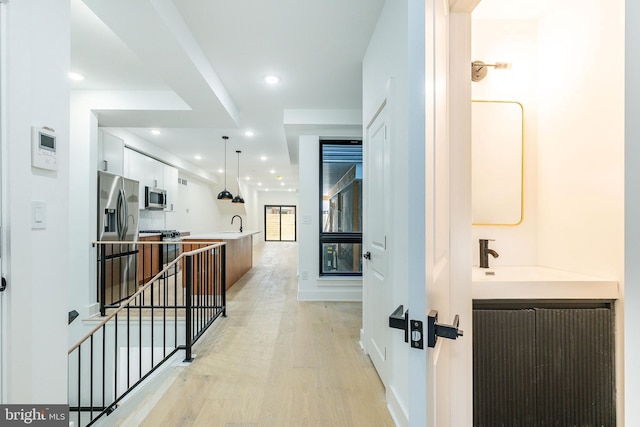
(148, 284)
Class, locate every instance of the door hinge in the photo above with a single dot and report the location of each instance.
(3, 284)
(435, 329)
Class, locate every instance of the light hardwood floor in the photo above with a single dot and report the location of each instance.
(275, 361)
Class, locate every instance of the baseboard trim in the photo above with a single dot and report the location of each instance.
(335, 295)
(396, 408)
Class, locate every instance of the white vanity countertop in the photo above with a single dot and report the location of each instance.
(222, 235)
(532, 282)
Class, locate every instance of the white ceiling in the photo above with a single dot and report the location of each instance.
(194, 70)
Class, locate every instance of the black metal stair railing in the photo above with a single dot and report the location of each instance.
(168, 314)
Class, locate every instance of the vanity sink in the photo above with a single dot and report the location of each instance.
(533, 282)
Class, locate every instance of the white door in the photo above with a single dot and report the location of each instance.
(430, 266)
(3, 298)
(376, 295)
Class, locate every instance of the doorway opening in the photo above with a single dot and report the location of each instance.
(279, 223)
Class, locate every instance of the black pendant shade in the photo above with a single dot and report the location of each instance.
(238, 198)
(224, 194)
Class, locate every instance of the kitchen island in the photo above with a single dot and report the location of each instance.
(239, 251)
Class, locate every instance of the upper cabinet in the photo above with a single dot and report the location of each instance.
(110, 153)
(171, 185)
(151, 173)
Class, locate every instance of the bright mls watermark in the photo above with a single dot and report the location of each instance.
(34, 415)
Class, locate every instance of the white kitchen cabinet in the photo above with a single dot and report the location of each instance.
(110, 153)
(150, 172)
(142, 169)
(171, 185)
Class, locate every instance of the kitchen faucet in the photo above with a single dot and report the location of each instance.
(238, 216)
(485, 251)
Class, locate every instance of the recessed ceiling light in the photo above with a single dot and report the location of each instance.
(263, 158)
(266, 189)
(272, 80)
(259, 183)
(282, 183)
(272, 171)
(248, 178)
(291, 189)
(278, 177)
(155, 132)
(76, 76)
(249, 133)
(220, 170)
(198, 157)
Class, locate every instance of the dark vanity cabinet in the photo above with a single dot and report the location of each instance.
(543, 365)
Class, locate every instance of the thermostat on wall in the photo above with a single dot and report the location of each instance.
(43, 148)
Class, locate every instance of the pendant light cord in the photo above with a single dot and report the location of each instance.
(225, 161)
(238, 151)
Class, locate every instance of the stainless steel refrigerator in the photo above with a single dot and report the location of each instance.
(118, 210)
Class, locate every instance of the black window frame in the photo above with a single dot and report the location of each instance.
(336, 237)
(295, 224)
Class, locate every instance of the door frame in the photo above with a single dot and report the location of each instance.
(295, 226)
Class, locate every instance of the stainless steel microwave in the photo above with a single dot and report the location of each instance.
(155, 198)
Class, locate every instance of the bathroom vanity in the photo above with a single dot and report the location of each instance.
(543, 347)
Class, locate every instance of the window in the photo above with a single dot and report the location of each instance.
(341, 208)
(279, 223)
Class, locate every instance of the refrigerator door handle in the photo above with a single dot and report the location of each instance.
(125, 225)
(120, 215)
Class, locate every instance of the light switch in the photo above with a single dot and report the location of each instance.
(306, 219)
(38, 215)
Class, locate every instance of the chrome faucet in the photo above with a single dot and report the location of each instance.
(237, 216)
(485, 252)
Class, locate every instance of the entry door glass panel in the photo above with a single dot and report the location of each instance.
(280, 223)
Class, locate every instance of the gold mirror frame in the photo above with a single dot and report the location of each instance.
(493, 175)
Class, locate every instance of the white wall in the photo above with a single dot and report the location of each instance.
(632, 216)
(197, 209)
(36, 262)
(312, 287)
(515, 42)
(580, 131)
(386, 57)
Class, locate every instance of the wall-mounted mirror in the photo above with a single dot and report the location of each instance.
(497, 162)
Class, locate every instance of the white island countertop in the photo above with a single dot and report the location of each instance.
(222, 235)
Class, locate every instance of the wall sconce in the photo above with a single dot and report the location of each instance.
(479, 69)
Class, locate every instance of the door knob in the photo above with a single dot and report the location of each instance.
(366, 255)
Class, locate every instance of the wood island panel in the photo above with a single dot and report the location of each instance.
(239, 256)
(149, 259)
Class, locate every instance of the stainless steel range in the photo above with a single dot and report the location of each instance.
(169, 251)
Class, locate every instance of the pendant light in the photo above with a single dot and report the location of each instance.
(238, 198)
(224, 194)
